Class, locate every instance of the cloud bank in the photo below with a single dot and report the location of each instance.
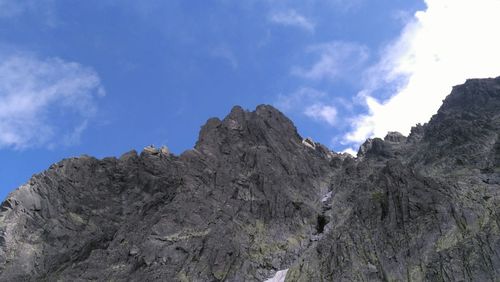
(450, 41)
(44, 102)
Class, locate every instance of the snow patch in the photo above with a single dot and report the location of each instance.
(309, 143)
(326, 197)
(279, 277)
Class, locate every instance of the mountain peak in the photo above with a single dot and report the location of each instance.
(263, 125)
(254, 201)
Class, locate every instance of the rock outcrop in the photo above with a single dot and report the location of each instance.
(254, 201)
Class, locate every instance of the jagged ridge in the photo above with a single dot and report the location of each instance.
(253, 198)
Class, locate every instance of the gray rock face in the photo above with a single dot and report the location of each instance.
(251, 199)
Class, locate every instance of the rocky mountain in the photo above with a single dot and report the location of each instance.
(253, 200)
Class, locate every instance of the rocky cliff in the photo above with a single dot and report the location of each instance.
(253, 199)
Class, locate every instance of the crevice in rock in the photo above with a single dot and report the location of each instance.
(321, 222)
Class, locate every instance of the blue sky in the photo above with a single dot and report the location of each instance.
(104, 77)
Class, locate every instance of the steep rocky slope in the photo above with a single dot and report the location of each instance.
(253, 198)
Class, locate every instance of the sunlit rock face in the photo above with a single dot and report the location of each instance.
(253, 201)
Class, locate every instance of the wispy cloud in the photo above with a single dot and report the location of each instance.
(10, 8)
(292, 18)
(44, 102)
(225, 53)
(450, 41)
(335, 59)
(299, 98)
(347, 5)
(311, 103)
(322, 112)
(15, 8)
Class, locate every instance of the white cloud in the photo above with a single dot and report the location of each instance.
(43, 101)
(336, 59)
(299, 98)
(309, 102)
(450, 41)
(350, 151)
(292, 18)
(322, 112)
